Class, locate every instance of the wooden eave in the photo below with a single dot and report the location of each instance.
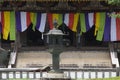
(63, 7)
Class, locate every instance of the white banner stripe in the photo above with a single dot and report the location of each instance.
(43, 22)
(90, 19)
(23, 21)
(113, 29)
(66, 19)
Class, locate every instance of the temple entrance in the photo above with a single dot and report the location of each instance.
(31, 37)
(34, 37)
(89, 40)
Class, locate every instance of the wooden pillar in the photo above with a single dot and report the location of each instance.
(34, 75)
(103, 74)
(7, 75)
(17, 42)
(89, 74)
(82, 74)
(96, 74)
(0, 75)
(14, 74)
(21, 74)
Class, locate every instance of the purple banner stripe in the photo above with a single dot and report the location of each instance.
(107, 28)
(38, 20)
(18, 21)
(87, 22)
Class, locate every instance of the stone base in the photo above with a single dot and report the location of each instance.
(55, 75)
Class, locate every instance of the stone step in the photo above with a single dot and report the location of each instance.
(79, 58)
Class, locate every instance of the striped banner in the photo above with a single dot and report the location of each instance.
(86, 21)
(22, 20)
(102, 17)
(41, 21)
(52, 18)
(6, 26)
(33, 17)
(71, 20)
(68, 20)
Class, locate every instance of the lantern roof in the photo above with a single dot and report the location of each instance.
(55, 31)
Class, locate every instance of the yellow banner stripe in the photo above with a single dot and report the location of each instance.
(97, 24)
(6, 29)
(76, 16)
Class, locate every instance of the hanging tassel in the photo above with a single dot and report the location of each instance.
(42, 36)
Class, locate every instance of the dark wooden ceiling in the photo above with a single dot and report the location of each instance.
(57, 5)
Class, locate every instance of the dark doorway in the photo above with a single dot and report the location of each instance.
(34, 37)
(89, 39)
(68, 39)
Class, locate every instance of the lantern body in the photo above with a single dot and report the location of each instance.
(55, 42)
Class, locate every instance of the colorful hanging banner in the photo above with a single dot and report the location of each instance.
(86, 21)
(49, 15)
(91, 19)
(66, 19)
(118, 28)
(12, 26)
(107, 28)
(71, 20)
(54, 19)
(6, 23)
(41, 21)
(97, 22)
(102, 17)
(82, 23)
(113, 35)
(18, 21)
(33, 17)
(75, 22)
(22, 20)
(60, 20)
